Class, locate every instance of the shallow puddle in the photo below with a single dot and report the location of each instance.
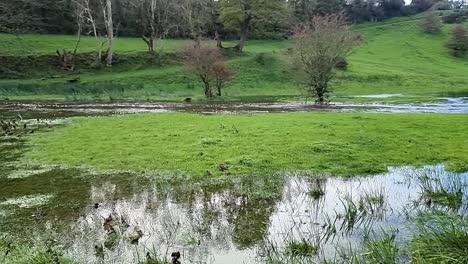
(126, 218)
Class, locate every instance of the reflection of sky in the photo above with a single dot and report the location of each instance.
(227, 228)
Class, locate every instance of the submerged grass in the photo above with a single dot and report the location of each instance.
(445, 191)
(333, 143)
(13, 253)
(377, 247)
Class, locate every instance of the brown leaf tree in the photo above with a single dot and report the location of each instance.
(319, 46)
(207, 64)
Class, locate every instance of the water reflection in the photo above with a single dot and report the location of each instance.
(230, 223)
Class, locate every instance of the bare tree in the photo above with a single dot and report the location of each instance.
(319, 46)
(197, 15)
(222, 75)
(157, 20)
(207, 63)
(92, 12)
(66, 58)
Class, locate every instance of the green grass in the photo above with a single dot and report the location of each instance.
(301, 249)
(442, 239)
(395, 57)
(13, 253)
(335, 143)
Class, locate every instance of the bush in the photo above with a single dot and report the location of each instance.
(431, 23)
(341, 63)
(262, 58)
(458, 44)
(441, 6)
(456, 17)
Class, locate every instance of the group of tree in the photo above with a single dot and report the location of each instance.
(323, 39)
(187, 18)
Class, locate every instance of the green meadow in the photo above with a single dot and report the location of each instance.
(334, 143)
(395, 57)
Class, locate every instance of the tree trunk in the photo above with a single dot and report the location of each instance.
(219, 41)
(150, 43)
(244, 33)
(219, 86)
(208, 92)
(321, 92)
(206, 83)
(110, 32)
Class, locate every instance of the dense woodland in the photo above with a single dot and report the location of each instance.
(178, 18)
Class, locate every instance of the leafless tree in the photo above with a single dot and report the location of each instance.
(92, 13)
(222, 75)
(319, 46)
(106, 7)
(66, 58)
(207, 63)
(157, 20)
(197, 15)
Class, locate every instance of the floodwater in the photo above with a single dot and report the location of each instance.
(444, 105)
(126, 217)
(229, 221)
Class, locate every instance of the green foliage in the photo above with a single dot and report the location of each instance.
(233, 13)
(335, 143)
(13, 253)
(301, 249)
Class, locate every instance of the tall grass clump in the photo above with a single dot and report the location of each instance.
(442, 238)
(445, 190)
(377, 247)
(14, 253)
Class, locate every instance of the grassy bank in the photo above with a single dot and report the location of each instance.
(335, 143)
(395, 57)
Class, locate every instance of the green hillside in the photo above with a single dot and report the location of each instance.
(395, 57)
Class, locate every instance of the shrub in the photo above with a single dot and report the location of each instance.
(431, 23)
(458, 44)
(262, 58)
(456, 17)
(341, 63)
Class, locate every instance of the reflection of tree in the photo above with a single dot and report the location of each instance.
(251, 220)
(201, 220)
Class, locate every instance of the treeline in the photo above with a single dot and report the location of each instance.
(60, 16)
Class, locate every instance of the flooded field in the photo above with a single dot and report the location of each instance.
(444, 105)
(290, 217)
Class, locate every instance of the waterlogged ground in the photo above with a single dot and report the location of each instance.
(128, 217)
(232, 221)
(451, 105)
